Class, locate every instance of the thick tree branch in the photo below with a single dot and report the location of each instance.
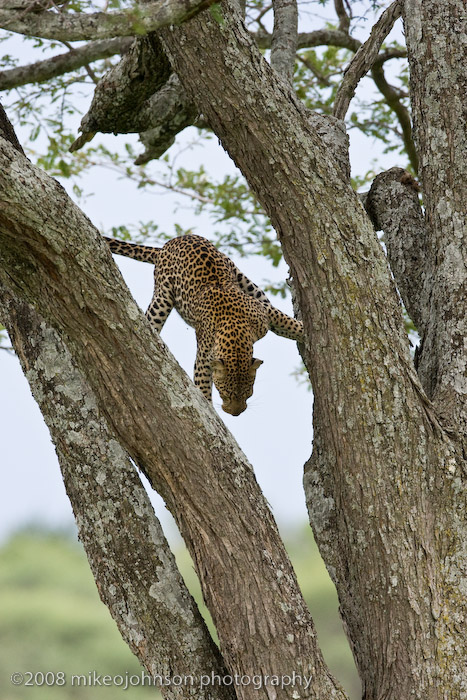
(284, 37)
(64, 63)
(164, 114)
(78, 26)
(122, 90)
(51, 254)
(134, 569)
(364, 58)
(394, 207)
(438, 82)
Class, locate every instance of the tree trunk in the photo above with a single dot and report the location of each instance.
(437, 51)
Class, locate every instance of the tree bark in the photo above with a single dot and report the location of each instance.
(385, 484)
(284, 37)
(437, 53)
(80, 26)
(134, 569)
(125, 87)
(63, 63)
(394, 207)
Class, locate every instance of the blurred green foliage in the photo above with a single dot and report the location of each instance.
(51, 617)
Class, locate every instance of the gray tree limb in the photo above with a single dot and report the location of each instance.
(63, 26)
(166, 113)
(284, 37)
(378, 447)
(364, 59)
(394, 207)
(63, 63)
(438, 85)
(161, 117)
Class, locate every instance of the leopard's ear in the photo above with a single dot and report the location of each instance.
(255, 364)
(218, 365)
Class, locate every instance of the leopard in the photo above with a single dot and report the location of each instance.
(228, 312)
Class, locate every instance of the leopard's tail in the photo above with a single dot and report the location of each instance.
(144, 253)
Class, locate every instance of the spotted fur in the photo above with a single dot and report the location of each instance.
(228, 312)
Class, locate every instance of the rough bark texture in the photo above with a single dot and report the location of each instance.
(120, 93)
(394, 207)
(437, 49)
(52, 257)
(385, 485)
(80, 26)
(284, 37)
(162, 117)
(374, 490)
(134, 569)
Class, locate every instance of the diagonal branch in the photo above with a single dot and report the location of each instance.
(364, 58)
(79, 26)
(64, 63)
(392, 97)
(50, 253)
(134, 569)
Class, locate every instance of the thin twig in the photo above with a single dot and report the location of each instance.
(365, 58)
(344, 18)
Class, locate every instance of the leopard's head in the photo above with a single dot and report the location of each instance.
(234, 378)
